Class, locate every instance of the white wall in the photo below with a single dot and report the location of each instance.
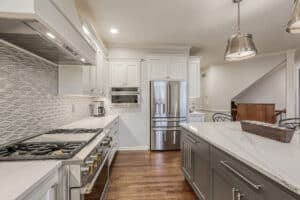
(270, 89)
(223, 82)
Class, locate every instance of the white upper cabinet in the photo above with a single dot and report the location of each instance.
(178, 68)
(194, 77)
(133, 74)
(167, 67)
(158, 68)
(118, 74)
(77, 80)
(124, 74)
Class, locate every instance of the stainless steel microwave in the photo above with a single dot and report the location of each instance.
(125, 95)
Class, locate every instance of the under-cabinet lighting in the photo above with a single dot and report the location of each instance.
(50, 35)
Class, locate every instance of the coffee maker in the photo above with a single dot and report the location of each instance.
(98, 109)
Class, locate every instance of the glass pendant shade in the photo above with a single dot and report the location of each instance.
(294, 23)
(239, 47)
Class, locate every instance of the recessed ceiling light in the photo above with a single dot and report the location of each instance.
(50, 35)
(114, 31)
(82, 60)
(85, 30)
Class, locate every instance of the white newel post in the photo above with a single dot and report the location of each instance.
(291, 84)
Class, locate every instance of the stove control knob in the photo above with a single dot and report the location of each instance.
(85, 170)
(91, 163)
(95, 157)
(109, 138)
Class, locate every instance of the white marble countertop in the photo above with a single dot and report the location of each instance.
(92, 122)
(278, 161)
(18, 179)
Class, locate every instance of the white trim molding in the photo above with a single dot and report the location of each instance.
(136, 148)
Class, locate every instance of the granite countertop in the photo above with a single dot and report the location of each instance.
(20, 178)
(278, 161)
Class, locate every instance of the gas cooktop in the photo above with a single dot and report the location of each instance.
(56, 144)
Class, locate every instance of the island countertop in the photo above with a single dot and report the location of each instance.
(278, 161)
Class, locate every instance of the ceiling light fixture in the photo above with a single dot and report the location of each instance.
(114, 31)
(50, 35)
(240, 46)
(294, 23)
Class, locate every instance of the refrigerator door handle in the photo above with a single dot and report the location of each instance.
(169, 99)
(174, 138)
(169, 120)
(166, 129)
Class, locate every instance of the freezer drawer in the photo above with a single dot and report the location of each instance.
(165, 138)
(167, 122)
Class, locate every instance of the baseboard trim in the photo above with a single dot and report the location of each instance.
(136, 148)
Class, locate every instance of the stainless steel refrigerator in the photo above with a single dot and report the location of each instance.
(168, 107)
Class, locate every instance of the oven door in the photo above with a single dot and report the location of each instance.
(125, 96)
(97, 188)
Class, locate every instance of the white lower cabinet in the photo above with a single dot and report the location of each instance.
(47, 190)
(112, 131)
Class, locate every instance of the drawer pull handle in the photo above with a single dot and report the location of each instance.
(191, 139)
(257, 187)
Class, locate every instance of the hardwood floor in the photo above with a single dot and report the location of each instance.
(144, 175)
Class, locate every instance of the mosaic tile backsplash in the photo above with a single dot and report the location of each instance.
(29, 100)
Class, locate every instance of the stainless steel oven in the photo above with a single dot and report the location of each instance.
(89, 180)
(97, 188)
(128, 95)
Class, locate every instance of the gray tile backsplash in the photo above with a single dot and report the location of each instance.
(29, 100)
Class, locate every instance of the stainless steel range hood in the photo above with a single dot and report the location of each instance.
(41, 28)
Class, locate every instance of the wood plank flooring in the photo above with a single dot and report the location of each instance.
(145, 175)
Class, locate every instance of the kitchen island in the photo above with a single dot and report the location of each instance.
(225, 149)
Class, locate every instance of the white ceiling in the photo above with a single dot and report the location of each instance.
(203, 24)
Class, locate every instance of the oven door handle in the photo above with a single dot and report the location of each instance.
(89, 186)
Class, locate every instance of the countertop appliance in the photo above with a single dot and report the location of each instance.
(42, 27)
(98, 109)
(125, 95)
(168, 107)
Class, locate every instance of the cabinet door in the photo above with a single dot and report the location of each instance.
(194, 79)
(201, 169)
(118, 73)
(177, 69)
(133, 74)
(226, 187)
(186, 157)
(158, 69)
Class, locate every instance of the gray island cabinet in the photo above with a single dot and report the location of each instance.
(215, 175)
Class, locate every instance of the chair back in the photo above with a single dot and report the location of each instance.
(291, 123)
(221, 117)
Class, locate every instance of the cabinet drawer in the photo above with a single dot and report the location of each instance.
(263, 187)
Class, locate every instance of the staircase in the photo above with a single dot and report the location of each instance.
(267, 90)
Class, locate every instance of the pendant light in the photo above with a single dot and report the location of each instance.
(240, 46)
(294, 23)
